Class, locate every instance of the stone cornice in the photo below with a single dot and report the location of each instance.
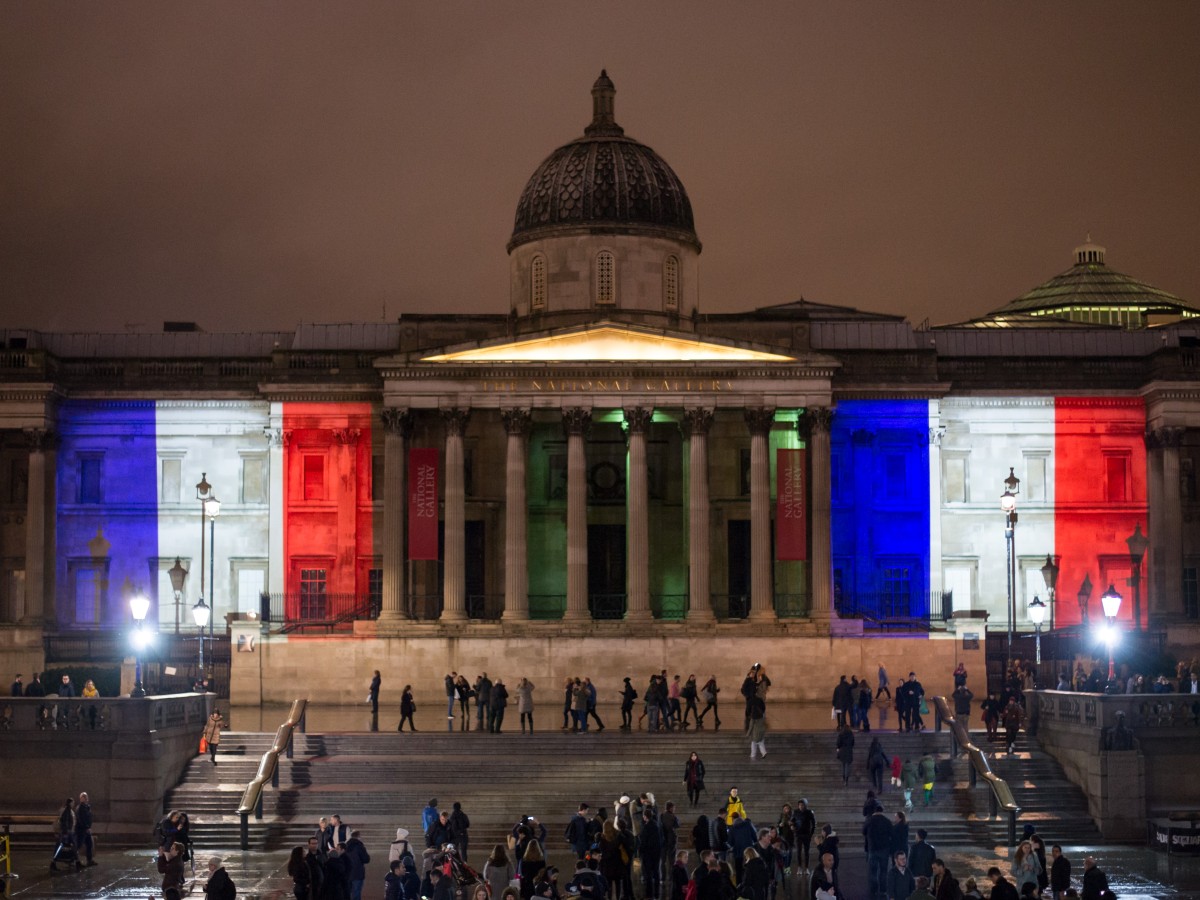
(319, 394)
(487, 372)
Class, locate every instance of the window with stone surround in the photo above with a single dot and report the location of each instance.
(606, 292)
(671, 284)
(537, 283)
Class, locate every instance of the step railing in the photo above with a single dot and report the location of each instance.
(268, 768)
(1000, 796)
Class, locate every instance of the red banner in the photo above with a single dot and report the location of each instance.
(423, 503)
(791, 516)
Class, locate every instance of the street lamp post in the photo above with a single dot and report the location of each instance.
(178, 576)
(1008, 505)
(200, 614)
(1050, 576)
(1112, 605)
(1037, 614)
(212, 509)
(1137, 543)
(139, 606)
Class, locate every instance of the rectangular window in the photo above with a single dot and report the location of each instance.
(91, 588)
(1187, 478)
(744, 471)
(89, 479)
(314, 477)
(1034, 488)
(18, 480)
(377, 476)
(958, 580)
(894, 484)
(897, 590)
(254, 470)
(1191, 592)
(313, 599)
(171, 480)
(605, 290)
(1116, 477)
(251, 582)
(954, 479)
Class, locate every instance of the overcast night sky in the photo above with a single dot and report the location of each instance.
(252, 165)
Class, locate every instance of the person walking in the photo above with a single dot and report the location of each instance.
(83, 829)
(1014, 715)
(689, 692)
(693, 777)
(757, 728)
(921, 855)
(962, 698)
(991, 709)
(460, 825)
(462, 688)
(525, 703)
(483, 701)
(883, 683)
(910, 780)
(66, 835)
(498, 871)
(628, 695)
(709, 695)
(842, 701)
(1060, 872)
(407, 708)
(358, 857)
(927, 769)
(373, 695)
(212, 733)
(845, 750)
(451, 682)
(877, 763)
(591, 703)
(219, 885)
(1095, 882)
(877, 832)
(499, 703)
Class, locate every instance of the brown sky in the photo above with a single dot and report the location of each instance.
(253, 165)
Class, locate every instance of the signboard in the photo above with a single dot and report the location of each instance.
(1175, 837)
(791, 514)
(423, 503)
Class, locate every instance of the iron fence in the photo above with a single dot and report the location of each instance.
(792, 606)
(487, 607)
(607, 606)
(896, 610)
(670, 607)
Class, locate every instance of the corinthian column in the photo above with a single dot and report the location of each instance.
(454, 591)
(1165, 585)
(397, 426)
(516, 553)
(819, 419)
(762, 594)
(696, 424)
(576, 422)
(637, 512)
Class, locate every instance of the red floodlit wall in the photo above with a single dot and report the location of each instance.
(1100, 496)
(328, 524)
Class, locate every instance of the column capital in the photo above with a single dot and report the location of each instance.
(274, 436)
(39, 440)
(397, 420)
(576, 420)
(455, 421)
(760, 418)
(517, 421)
(820, 418)
(637, 418)
(697, 420)
(1165, 436)
(348, 436)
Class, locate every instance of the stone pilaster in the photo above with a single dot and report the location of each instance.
(637, 419)
(696, 424)
(397, 428)
(576, 422)
(454, 585)
(41, 443)
(1165, 585)
(516, 552)
(819, 419)
(762, 592)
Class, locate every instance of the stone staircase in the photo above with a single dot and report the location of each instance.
(381, 781)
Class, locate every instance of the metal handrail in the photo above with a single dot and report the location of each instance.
(1001, 795)
(268, 768)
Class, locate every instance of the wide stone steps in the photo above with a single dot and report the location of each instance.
(378, 782)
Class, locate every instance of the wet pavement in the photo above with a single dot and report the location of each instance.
(1133, 871)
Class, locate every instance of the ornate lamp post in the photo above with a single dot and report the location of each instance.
(200, 614)
(178, 576)
(1050, 576)
(1008, 505)
(1137, 543)
(210, 508)
(139, 606)
(1112, 605)
(1037, 614)
(1082, 596)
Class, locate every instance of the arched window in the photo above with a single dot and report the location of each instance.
(671, 284)
(537, 284)
(606, 291)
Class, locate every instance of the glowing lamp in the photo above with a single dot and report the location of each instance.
(1037, 611)
(200, 613)
(212, 507)
(1111, 601)
(139, 606)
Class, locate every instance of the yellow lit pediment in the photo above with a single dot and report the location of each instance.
(609, 344)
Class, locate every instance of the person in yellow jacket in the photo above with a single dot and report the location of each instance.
(734, 805)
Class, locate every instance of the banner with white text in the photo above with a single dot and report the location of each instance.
(791, 516)
(423, 503)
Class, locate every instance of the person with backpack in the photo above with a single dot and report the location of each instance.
(877, 763)
(709, 695)
(628, 695)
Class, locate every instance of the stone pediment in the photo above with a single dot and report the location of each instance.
(608, 343)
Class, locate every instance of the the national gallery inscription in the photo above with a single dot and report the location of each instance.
(607, 385)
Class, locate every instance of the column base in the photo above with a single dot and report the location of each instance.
(700, 614)
(766, 614)
(453, 615)
(638, 615)
(577, 615)
(391, 615)
(515, 615)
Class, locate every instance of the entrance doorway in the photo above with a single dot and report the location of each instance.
(606, 571)
(738, 541)
(476, 583)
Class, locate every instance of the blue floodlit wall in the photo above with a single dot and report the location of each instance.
(880, 494)
(107, 505)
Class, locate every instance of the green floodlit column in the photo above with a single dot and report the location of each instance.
(637, 500)
(697, 423)
(516, 551)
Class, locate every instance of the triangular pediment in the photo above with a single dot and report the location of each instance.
(609, 343)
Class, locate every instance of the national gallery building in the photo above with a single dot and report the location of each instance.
(602, 461)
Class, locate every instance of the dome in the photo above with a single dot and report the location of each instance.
(604, 182)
